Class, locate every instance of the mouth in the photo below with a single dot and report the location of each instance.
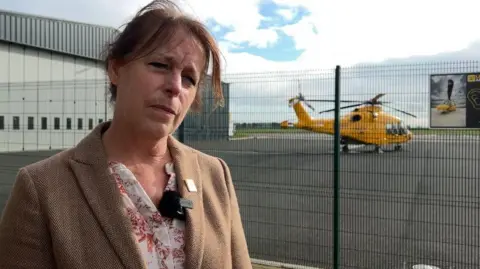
(164, 108)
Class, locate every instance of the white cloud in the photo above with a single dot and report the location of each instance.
(344, 32)
(217, 28)
(242, 17)
(287, 14)
(260, 38)
(303, 33)
(349, 31)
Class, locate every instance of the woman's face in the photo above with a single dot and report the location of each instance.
(155, 92)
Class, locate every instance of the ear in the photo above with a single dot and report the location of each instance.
(113, 71)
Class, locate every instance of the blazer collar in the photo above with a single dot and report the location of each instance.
(89, 163)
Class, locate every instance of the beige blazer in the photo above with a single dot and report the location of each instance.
(66, 212)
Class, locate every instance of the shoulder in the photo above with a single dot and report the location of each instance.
(35, 183)
(209, 162)
(213, 171)
(47, 174)
(50, 164)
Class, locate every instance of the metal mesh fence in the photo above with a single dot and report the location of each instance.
(399, 207)
(417, 204)
(44, 115)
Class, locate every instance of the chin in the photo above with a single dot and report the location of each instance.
(157, 130)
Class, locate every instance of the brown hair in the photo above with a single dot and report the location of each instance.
(154, 25)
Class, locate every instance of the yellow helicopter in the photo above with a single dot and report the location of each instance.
(367, 124)
(447, 106)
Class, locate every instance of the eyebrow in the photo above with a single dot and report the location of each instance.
(189, 68)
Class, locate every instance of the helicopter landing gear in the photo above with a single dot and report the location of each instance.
(378, 149)
(343, 143)
(397, 147)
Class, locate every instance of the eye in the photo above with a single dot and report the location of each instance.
(191, 80)
(158, 65)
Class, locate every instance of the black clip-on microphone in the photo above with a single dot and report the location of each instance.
(173, 205)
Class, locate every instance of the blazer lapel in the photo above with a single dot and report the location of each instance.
(186, 167)
(90, 166)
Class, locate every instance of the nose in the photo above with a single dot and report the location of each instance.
(174, 84)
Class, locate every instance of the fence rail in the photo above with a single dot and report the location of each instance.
(305, 202)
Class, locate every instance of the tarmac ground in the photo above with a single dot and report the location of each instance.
(456, 118)
(398, 209)
(419, 205)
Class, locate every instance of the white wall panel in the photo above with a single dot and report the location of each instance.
(51, 88)
(4, 95)
(15, 104)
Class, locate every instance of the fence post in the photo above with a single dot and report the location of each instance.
(181, 132)
(106, 101)
(336, 171)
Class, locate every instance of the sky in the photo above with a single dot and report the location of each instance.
(272, 49)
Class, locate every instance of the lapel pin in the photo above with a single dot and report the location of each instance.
(191, 185)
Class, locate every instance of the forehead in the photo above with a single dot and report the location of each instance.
(182, 49)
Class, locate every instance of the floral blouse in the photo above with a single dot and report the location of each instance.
(160, 239)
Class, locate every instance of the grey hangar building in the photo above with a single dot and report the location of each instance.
(53, 87)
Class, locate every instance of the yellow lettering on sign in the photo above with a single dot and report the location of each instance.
(473, 78)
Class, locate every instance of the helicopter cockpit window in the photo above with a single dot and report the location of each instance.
(402, 128)
(392, 128)
(396, 128)
(356, 118)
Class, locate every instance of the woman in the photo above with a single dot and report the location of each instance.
(103, 204)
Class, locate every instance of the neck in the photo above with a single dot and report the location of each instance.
(138, 150)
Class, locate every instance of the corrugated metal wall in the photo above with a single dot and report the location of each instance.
(83, 40)
(209, 124)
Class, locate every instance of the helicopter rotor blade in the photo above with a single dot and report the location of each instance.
(401, 111)
(344, 101)
(301, 98)
(311, 107)
(330, 110)
(375, 99)
(326, 100)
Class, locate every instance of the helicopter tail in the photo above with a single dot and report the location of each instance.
(303, 117)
